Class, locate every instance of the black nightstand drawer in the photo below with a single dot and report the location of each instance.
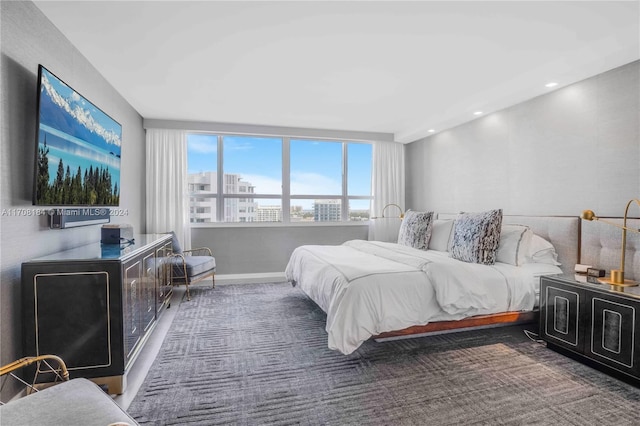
(594, 321)
(561, 315)
(613, 339)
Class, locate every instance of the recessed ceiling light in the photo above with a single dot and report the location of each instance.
(551, 84)
(431, 130)
(477, 113)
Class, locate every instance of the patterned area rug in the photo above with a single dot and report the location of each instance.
(257, 354)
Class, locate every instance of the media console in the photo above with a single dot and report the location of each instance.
(96, 305)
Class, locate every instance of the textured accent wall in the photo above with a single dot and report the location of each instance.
(28, 39)
(572, 149)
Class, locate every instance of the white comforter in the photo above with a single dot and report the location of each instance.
(369, 287)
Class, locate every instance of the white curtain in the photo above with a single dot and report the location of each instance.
(387, 183)
(167, 191)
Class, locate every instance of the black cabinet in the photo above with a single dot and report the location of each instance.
(95, 306)
(594, 321)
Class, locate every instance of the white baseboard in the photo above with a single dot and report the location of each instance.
(264, 277)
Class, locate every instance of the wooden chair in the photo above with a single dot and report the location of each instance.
(190, 266)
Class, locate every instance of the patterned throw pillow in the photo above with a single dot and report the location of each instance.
(476, 237)
(415, 230)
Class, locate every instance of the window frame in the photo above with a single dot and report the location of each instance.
(285, 195)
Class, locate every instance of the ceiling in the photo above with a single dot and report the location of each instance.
(376, 66)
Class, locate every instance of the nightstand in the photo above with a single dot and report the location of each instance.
(596, 323)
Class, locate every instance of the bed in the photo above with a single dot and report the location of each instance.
(385, 290)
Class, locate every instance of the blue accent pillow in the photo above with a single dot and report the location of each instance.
(415, 230)
(476, 237)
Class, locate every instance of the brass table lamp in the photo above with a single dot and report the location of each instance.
(385, 208)
(617, 275)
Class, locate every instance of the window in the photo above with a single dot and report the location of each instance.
(316, 168)
(202, 157)
(359, 165)
(277, 179)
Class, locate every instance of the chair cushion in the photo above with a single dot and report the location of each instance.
(196, 265)
(78, 402)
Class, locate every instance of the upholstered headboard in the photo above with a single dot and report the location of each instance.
(602, 246)
(561, 231)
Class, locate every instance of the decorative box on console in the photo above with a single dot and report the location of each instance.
(116, 234)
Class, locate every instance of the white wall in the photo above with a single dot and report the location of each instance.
(572, 149)
(266, 249)
(28, 38)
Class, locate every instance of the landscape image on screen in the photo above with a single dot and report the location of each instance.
(78, 152)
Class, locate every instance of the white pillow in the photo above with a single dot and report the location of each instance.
(441, 235)
(513, 247)
(542, 251)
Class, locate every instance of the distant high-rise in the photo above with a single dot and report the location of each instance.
(327, 210)
(202, 206)
(269, 213)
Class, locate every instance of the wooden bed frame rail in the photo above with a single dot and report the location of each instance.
(502, 319)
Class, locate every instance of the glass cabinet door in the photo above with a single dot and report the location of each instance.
(148, 292)
(131, 287)
(163, 277)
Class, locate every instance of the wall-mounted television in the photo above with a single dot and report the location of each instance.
(78, 148)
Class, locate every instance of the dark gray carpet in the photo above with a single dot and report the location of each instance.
(257, 354)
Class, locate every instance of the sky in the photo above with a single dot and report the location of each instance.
(316, 167)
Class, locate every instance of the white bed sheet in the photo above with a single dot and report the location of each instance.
(370, 287)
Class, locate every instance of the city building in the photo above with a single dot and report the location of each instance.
(327, 210)
(269, 213)
(202, 203)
